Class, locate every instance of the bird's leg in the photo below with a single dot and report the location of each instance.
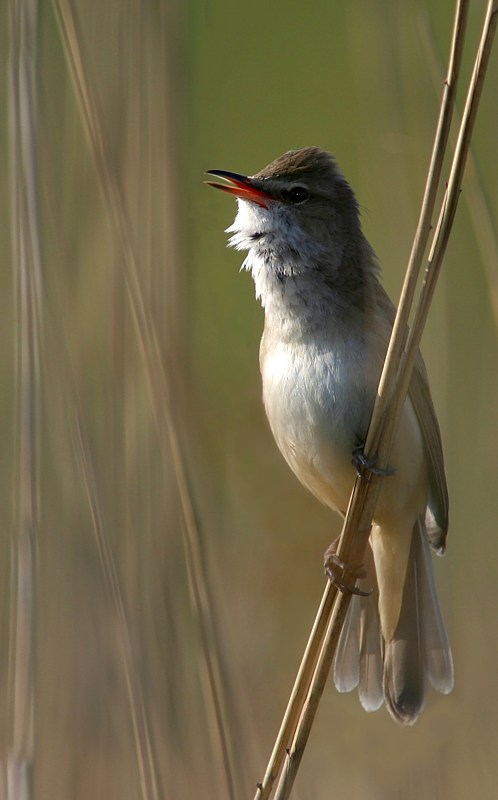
(343, 575)
(363, 463)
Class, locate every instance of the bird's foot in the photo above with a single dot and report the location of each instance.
(344, 576)
(363, 463)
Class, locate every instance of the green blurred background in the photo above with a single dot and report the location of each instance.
(129, 611)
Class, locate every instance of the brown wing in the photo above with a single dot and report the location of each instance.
(420, 395)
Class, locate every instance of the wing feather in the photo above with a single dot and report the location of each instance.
(420, 396)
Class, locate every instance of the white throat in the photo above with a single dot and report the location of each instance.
(282, 258)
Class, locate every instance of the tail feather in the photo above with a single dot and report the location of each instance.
(370, 687)
(347, 658)
(358, 661)
(439, 659)
(405, 670)
(399, 670)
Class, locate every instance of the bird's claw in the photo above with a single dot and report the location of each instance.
(344, 576)
(363, 463)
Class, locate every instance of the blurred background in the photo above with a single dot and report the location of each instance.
(176, 561)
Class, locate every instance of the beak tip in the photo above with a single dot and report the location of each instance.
(240, 186)
(214, 184)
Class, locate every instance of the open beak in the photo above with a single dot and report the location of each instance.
(240, 186)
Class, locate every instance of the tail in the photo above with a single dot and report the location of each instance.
(397, 671)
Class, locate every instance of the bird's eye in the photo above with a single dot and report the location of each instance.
(298, 194)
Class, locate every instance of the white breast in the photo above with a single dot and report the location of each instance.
(317, 409)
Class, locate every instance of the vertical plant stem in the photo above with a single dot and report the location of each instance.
(159, 370)
(299, 692)
(362, 506)
(27, 270)
(149, 787)
(357, 525)
(484, 224)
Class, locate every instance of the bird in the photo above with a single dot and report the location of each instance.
(327, 324)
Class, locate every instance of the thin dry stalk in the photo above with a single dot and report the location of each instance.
(159, 371)
(27, 270)
(145, 758)
(486, 236)
(358, 520)
(394, 407)
(299, 692)
(449, 205)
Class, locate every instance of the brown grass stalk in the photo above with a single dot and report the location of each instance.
(486, 235)
(143, 747)
(360, 512)
(391, 394)
(158, 364)
(27, 272)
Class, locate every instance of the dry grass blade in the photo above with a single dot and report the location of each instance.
(27, 268)
(159, 372)
(360, 512)
(357, 524)
(486, 237)
(299, 692)
(400, 328)
(451, 197)
(143, 748)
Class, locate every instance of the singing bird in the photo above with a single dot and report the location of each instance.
(327, 326)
